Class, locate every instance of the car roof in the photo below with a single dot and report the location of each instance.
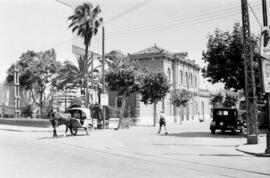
(224, 109)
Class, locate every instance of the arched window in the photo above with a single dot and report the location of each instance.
(118, 101)
(187, 79)
(191, 80)
(195, 81)
(169, 75)
(181, 77)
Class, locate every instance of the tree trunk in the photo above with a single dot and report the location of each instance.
(41, 104)
(86, 78)
(155, 114)
(180, 116)
(92, 67)
(122, 111)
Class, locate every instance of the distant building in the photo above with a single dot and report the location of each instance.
(182, 73)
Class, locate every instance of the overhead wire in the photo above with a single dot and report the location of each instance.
(189, 16)
(204, 12)
(253, 12)
(177, 25)
(107, 21)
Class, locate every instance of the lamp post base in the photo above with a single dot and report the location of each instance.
(252, 139)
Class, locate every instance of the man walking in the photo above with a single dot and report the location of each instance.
(162, 122)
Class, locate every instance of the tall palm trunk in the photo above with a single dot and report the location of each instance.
(86, 77)
(92, 68)
(122, 110)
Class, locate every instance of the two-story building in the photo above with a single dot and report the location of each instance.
(182, 73)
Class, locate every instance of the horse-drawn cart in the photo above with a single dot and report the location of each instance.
(76, 118)
(80, 118)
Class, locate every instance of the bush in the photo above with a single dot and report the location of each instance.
(27, 111)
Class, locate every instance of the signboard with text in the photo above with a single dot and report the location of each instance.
(266, 75)
(104, 99)
(265, 43)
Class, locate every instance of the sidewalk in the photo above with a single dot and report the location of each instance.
(255, 149)
(16, 128)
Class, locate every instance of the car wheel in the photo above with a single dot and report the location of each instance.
(223, 130)
(213, 131)
(234, 131)
(73, 131)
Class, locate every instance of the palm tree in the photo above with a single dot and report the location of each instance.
(85, 22)
(70, 76)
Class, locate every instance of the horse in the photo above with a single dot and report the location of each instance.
(58, 119)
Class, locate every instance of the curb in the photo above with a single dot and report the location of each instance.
(252, 153)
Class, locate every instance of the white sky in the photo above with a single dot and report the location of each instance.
(176, 25)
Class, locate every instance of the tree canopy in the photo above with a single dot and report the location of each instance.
(122, 78)
(36, 71)
(153, 81)
(230, 101)
(180, 97)
(225, 59)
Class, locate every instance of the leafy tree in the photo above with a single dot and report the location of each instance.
(122, 78)
(153, 88)
(230, 101)
(71, 76)
(180, 97)
(36, 70)
(27, 111)
(225, 58)
(85, 22)
(216, 99)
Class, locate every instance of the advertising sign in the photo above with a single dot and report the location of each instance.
(266, 75)
(265, 44)
(104, 99)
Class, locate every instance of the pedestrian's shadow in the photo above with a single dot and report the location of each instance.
(206, 134)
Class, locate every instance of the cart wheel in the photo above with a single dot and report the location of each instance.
(73, 131)
(90, 127)
(213, 131)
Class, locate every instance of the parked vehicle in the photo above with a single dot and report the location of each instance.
(80, 119)
(262, 117)
(226, 119)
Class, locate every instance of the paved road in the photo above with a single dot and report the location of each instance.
(189, 150)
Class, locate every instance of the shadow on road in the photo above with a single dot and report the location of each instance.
(206, 134)
(17, 130)
(62, 136)
(208, 154)
(195, 145)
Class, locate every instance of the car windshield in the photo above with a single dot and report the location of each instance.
(225, 113)
(222, 113)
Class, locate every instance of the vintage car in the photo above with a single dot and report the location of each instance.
(226, 119)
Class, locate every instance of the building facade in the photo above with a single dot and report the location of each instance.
(182, 73)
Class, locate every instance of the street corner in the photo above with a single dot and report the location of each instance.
(254, 149)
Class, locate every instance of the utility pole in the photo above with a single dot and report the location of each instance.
(103, 71)
(265, 24)
(250, 90)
